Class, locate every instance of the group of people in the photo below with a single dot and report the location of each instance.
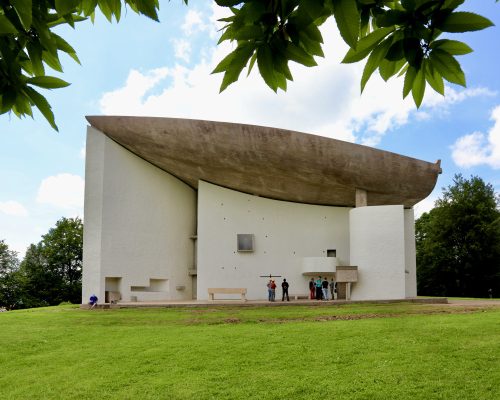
(322, 289)
(319, 289)
(271, 290)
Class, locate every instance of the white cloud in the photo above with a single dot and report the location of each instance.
(13, 208)
(324, 100)
(130, 96)
(193, 22)
(425, 205)
(182, 49)
(63, 190)
(479, 149)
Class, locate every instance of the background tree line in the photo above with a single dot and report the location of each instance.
(458, 242)
(50, 273)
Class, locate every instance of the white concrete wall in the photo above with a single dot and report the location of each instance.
(94, 171)
(377, 235)
(410, 255)
(284, 233)
(138, 223)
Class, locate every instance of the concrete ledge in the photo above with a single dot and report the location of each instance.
(262, 303)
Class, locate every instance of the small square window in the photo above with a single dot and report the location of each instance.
(245, 241)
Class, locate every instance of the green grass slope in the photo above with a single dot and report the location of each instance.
(369, 351)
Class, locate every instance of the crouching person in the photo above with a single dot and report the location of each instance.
(93, 301)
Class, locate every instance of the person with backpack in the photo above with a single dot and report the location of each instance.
(285, 286)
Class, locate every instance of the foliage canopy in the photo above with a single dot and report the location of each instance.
(400, 38)
(50, 272)
(458, 242)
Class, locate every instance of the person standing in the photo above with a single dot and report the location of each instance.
(332, 288)
(273, 291)
(285, 286)
(269, 291)
(312, 289)
(319, 294)
(324, 287)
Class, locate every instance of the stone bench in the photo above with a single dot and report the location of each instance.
(299, 296)
(240, 291)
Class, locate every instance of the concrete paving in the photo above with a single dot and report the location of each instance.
(261, 303)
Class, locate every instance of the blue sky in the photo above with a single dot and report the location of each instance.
(139, 67)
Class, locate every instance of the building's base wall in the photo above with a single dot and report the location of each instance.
(139, 222)
(377, 248)
(285, 233)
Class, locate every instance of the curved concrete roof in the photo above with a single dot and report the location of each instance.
(273, 163)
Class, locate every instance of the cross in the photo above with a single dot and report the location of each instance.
(269, 276)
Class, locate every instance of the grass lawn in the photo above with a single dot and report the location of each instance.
(357, 351)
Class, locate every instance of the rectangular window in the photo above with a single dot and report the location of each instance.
(245, 241)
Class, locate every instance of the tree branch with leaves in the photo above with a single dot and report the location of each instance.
(397, 38)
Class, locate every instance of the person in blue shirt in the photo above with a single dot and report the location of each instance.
(319, 293)
(93, 301)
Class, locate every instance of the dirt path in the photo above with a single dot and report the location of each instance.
(478, 303)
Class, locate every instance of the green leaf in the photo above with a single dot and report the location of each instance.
(447, 66)
(311, 46)
(463, 21)
(43, 105)
(347, 16)
(408, 4)
(396, 51)
(22, 105)
(88, 7)
(297, 54)
(23, 10)
(247, 32)
(418, 87)
(45, 36)
(6, 26)
(391, 18)
(52, 60)
(35, 54)
(106, 9)
(252, 62)
(373, 62)
(64, 7)
(453, 47)
(145, 7)
(47, 82)
(411, 73)
(388, 68)
(413, 51)
(313, 32)
(266, 67)
(66, 47)
(281, 66)
(234, 63)
(433, 78)
(7, 100)
(366, 45)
